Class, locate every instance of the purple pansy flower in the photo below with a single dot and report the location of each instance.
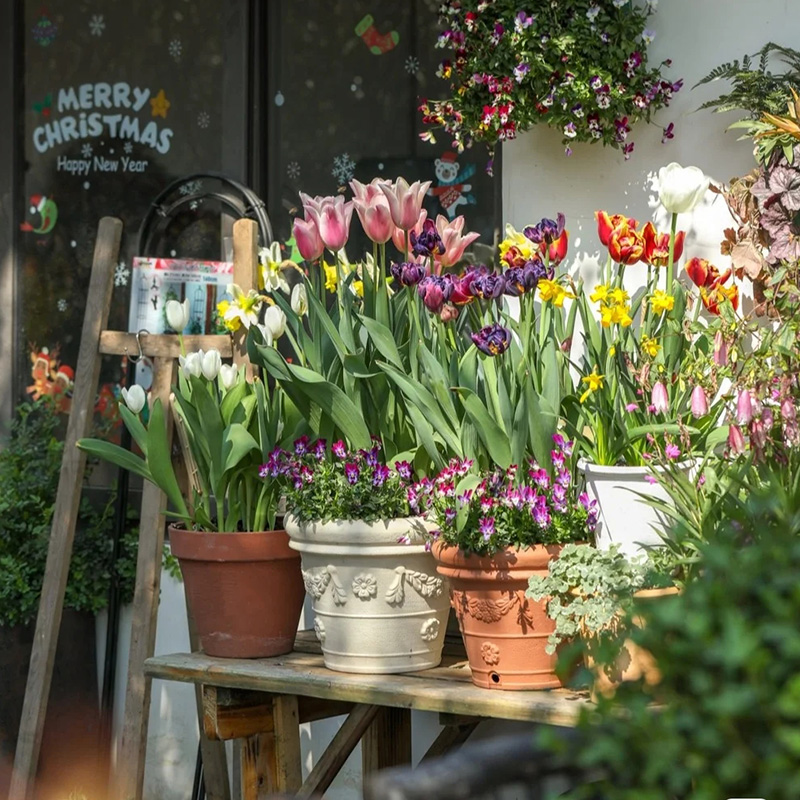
(486, 527)
(301, 446)
(351, 472)
(403, 470)
(339, 449)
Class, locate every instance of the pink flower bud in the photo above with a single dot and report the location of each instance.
(699, 403)
(744, 407)
(720, 350)
(788, 411)
(659, 398)
(736, 440)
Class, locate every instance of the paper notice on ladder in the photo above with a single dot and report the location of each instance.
(155, 281)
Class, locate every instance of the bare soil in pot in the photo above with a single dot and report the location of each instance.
(505, 633)
(244, 590)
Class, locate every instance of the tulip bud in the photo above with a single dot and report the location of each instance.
(744, 407)
(228, 374)
(680, 189)
(177, 314)
(275, 321)
(192, 365)
(134, 398)
(299, 300)
(736, 440)
(266, 333)
(699, 402)
(659, 398)
(720, 349)
(211, 363)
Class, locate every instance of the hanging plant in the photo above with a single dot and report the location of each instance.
(580, 67)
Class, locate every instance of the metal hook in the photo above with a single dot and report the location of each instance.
(140, 356)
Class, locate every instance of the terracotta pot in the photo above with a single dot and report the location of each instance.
(379, 606)
(244, 590)
(633, 661)
(505, 633)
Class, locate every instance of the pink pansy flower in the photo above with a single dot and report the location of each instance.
(405, 201)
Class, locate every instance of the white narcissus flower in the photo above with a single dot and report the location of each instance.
(272, 264)
(192, 364)
(178, 314)
(299, 300)
(275, 320)
(242, 310)
(211, 363)
(680, 189)
(266, 333)
(228, 375)
(135, 398)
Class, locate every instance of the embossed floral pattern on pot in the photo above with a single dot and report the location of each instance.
(365, 586)
(430, 629)
(490, 653)
(319, 629)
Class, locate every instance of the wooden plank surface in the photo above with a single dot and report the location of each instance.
(245, 275)
(119, 343)
(387, 741)
(65, 512)
(129, 774)
(446, 688)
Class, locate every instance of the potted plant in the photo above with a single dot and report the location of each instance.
(590, 594)
(379, 605)
(495, 530)
(242, 580)
(579, 67)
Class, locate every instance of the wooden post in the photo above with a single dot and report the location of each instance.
(65, 513)
(387, 742)
(245, 275)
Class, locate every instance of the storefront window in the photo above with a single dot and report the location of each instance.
(119, 100)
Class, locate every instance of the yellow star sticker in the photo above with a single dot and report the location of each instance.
(160, 104)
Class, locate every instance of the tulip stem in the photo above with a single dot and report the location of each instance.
(671, 263)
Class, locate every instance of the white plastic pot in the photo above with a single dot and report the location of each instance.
(626, 518)
(379, 605)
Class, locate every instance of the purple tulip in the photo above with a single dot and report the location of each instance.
(744, 407)
(546, 231)
(659, 398)
(699, 404)
(428, 242)
(408, 273)
(351, 472)
(434, 290)
(492, 340)
(488, 287)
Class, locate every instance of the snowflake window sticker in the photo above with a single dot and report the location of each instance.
(62, 305)
(86, 151)
(343, 168)
(203, 119)
(412, 65)
(97, 25)
(176, 49)
(293, 170)
(121, 274)
(128, 148)
(192, 187)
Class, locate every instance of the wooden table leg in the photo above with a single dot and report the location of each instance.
(387, 742)
(271, 761)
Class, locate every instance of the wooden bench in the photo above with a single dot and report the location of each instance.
(264, 701)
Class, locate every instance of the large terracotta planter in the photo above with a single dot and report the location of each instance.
(379, 606)
(505, 633)
(626, 518)
(244, 590)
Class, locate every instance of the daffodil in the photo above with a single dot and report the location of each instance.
(550, 291)
(358, 287)
(660, 301)
(594, 382)
(615, 315)
(241, 310)
(618, 296)
(600, 293)
(331, 276)
(271, 268)
(650, 346)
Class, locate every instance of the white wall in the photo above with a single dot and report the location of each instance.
(539, 180)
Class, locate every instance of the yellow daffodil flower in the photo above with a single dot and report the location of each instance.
(618, 296)
(358, 287)
(550, 291)
(660, 301)
(650, 346)
(615, 315)
(593, 382)
(331, 276)
(599, 294)
(242, 310)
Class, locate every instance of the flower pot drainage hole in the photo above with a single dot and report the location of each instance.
(495, 677)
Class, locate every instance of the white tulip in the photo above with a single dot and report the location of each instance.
(134, 398)
(299, 300)
(192, 365)
(212, 361)
(178, 314)
(266, 333)
(275, 320)
(228, 374)
(680, 189)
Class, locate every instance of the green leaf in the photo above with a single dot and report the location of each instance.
(135, 426)
(383, 339)
(114, 454)
(237, 443)
(491, 434)
(159, 459)
(321, 315)
(542, 424)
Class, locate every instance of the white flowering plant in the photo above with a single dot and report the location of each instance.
(227, 426)
(579, 67)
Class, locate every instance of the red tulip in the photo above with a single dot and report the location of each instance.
(373, 210)
(705, 274)
(718, 294)
(558, 248)
(606, 224)
(626, 244)
(656, 246)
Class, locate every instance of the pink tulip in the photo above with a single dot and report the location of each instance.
(399, 235)
(332, 218)
(405, 201)
(373, 210)
(699, 404)
(659, 398)
(744, 407)
(736, 440)
(720, 350)
(310, 202)
(454, 242)
(307, 237)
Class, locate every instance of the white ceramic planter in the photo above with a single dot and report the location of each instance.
(625, 517)
(380, 606)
